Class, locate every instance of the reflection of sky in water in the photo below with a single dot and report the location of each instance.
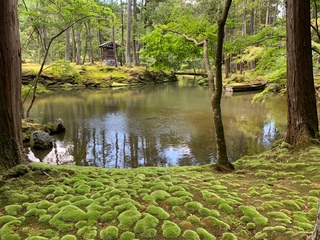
(160, 129)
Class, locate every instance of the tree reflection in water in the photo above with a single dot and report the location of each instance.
(160, 125)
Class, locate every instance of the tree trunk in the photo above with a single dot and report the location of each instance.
(114, 45)
(302, 120)
(222, 157)
(78, 56)
(67, 49)
(11, 150)
(316, 230)
(135, 35)
(128, 41)
(74, 46)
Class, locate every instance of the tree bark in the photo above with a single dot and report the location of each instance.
(67, 49)
(11, 150)
(316, 231)
(114, 45)
(128, 41)
(222, 157)
(302, 120)
(78, 39)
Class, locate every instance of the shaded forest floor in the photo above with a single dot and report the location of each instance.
(273, 196)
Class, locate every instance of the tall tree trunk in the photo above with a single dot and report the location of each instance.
(99, 43)
(90, 44)
(128, 40)
(316, 230)
(78, 39)
(222, 157)
(268, 13)
(122, 58)
(67, 49)
(135, 35)
(302, 120)
(114, 45)
(11, 150)
(74, 46)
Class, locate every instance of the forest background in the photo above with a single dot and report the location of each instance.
(151, 33)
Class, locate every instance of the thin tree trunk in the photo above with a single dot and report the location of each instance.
(128, 41)
(135, 35)
(67, 49)
(11, 150)
(78, 39)
(302, 119)
(222, 157)
(74, 46)
(114, 45)
(316, 230)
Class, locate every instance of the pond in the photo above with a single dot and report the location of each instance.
(155, 125)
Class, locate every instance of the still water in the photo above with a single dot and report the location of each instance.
(155, 125)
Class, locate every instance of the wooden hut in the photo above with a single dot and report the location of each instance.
(107, 52)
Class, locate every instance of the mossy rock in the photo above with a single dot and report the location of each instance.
(108, 216)
(128, 218)
(127, 235)
(109, 233)
(170, 230)
(69, 237)
(159, 212)
(190, 235)
(13, 210)
(204, 234)
(147, 222)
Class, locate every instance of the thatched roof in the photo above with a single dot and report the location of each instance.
(108, 44)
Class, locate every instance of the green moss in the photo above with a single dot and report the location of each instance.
(212, 221)
(87, 232)
(36, 238)
(261, 235)
(208, 212)
(251, 226)
(7, 232)
(179, 212)
(19, 198)
(128, 218)
(190, 235)
(69, 237)
(149, 233)
(110, 233)
(251, 212)
(44, 204)
(108, 216)
(193, 219)
(158, 212)
(226, 208)
(160, 186)
(293, 205)
(229, 236)
(147, 222)
(176, 188)
(170, 230)
(193, 206)
(279, 215)
(125, 206)
(45, 218)
(182, 194)
(204, 234)
(175, 201)
(159, 195)
(35, 212)
(13, 209)
(127, 236)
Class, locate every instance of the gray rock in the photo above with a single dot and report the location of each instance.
(58, 127)
(41, 140)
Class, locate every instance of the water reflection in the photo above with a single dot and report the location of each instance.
(158, 125)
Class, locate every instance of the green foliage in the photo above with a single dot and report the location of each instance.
(170, 230)
(110, 233)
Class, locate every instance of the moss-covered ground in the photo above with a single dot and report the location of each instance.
(273, 196)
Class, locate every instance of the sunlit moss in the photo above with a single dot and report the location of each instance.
(127, 235)
(108, 216)
(147, 222)
(128, 218)
(229, 236)
(190, 235)
(251, 212)
(109, 233)
(158, 212)
(204, 234)
(212, 221)
(13, 209)
(7, 232)
(208, 212)
(193, 206)
(69, 237)
(226, 208)
(87, 232)
(193, 219)
(160, 186)
(179, 211)
(175, 201)
(170, 230)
